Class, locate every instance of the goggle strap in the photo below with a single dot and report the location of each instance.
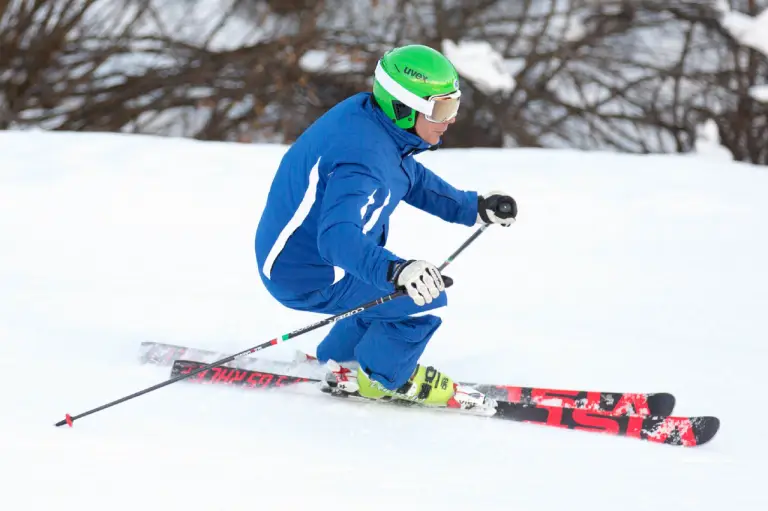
(440, 97)
(401, 93)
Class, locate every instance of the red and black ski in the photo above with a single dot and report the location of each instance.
(242, 378)
(610, 403)
(665, 429)
(614, 403)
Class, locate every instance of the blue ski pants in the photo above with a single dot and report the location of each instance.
(386, 340)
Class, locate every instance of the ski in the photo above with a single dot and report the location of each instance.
(664, 429)
(610, 403)
(157, 353)
(236, 377)
(614, 403)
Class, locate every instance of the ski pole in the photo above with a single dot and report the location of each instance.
(69, 419)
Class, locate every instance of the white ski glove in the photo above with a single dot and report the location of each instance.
(420, 279)
(496, 208)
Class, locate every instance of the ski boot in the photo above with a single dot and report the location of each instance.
(426, 386)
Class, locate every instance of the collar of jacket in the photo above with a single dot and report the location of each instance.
(408, 143)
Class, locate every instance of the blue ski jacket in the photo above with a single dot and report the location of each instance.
(328, 208)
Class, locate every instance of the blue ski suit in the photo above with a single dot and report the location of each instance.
(320, 240)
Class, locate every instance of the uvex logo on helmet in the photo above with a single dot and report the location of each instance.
(412, 72)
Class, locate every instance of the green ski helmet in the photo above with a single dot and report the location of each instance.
(413, 79)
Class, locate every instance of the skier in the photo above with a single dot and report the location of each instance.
(321, 237)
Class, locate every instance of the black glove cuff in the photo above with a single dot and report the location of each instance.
(395, 268)
(481, 209)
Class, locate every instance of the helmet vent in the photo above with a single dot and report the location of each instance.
(401, 109)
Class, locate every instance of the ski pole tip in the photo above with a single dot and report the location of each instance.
(67, 420)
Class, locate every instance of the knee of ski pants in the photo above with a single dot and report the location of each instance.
(390, 350)
(341, 341)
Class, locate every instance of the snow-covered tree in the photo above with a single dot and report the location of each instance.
(627, 75)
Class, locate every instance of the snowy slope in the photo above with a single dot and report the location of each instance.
(622, 273)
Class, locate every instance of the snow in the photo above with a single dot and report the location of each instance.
(316, 61)
(708, 142)
(208, 23)
(749, 31)
(574, 29)
(759, 92)
(622, 272)
(478, 62)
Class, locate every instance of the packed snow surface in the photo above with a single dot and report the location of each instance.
(623, 273)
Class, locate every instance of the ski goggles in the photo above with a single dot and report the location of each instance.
(437, 108)
(444, 107)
